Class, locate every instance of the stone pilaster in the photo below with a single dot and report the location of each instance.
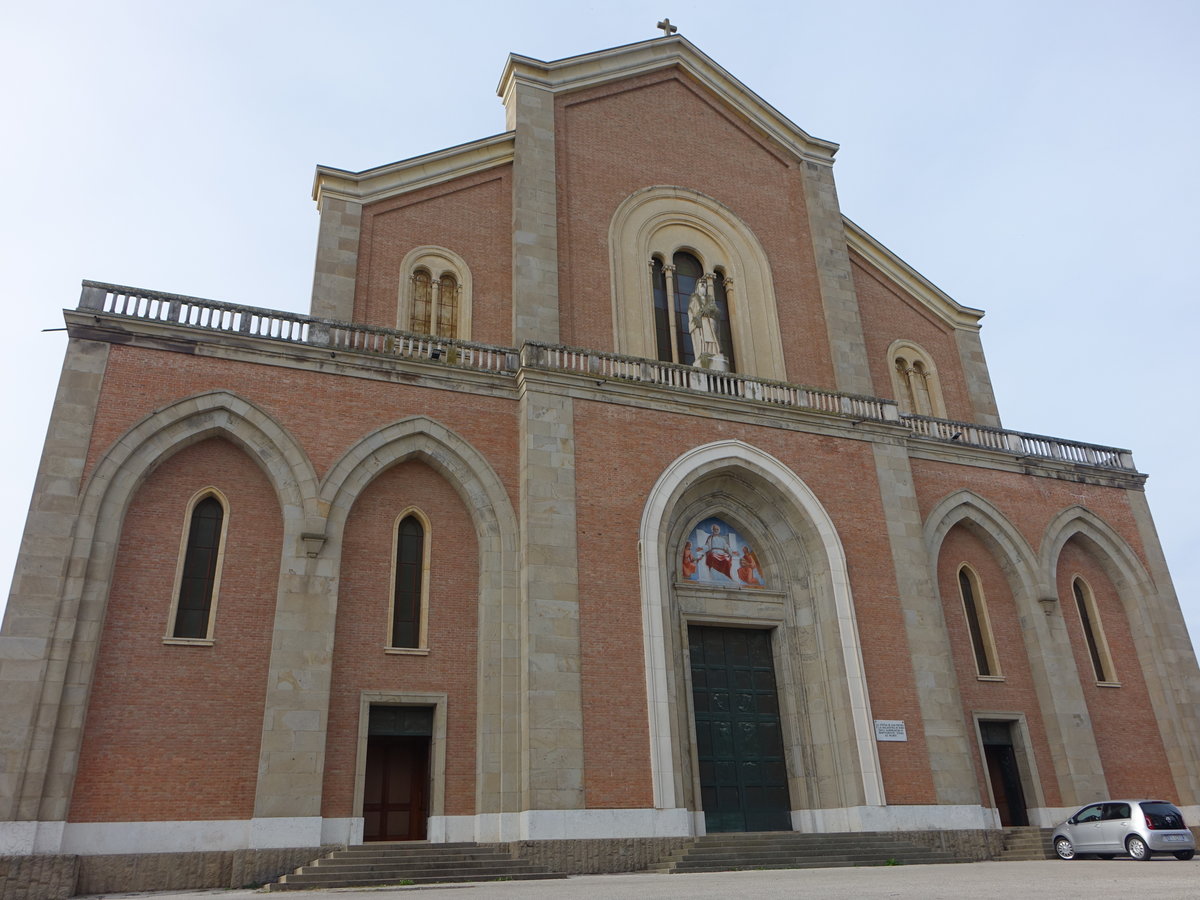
(38, 625)
(296, 713)
(553, 715)
(535, 215)
(979, 382)
(946, 736)
(847, 347)
(1167, 659)
(337, 259)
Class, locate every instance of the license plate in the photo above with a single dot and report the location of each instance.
(1174, 837)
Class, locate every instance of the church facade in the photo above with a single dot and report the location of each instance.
(615, 488)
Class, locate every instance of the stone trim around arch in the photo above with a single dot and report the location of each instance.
(1159, 634)
(55, 742)
(663, 219)
(1065, 717)
(499, 724)
(439, 261)
(653, 533)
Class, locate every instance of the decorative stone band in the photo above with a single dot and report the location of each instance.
(217, 319)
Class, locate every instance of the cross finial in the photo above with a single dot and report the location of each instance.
(667, 27)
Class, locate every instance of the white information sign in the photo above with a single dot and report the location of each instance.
(890, 730)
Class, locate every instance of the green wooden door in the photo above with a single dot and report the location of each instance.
(743, 774)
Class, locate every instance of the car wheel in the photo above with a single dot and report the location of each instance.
(1106, 855)
(1137, 848)
(1063, 848)
(1184, 854)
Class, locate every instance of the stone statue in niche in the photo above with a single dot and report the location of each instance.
(703, 316)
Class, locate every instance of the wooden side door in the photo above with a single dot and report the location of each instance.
(396, 792)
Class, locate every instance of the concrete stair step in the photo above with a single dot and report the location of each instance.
(378, 864)
(282, 885)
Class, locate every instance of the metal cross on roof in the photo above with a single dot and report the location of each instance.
(667, 27)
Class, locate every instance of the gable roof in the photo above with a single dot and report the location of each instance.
(576, 72)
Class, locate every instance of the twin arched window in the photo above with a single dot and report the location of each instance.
(435, 293)
(673, 286)
(435, 304)
(915, 380)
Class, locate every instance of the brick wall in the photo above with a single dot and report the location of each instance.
(173, 732)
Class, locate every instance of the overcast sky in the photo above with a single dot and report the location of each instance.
(1036, 159)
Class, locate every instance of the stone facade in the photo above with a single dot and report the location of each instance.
(559, 463)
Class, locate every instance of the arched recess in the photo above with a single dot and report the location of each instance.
(103, 504)
(438, 262)
(1060, 697)
(805, 558)
(495, 522)
(661, 220)
(1165, 655)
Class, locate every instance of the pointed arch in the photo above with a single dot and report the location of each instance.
(495, 522)
(656, 561)
(995, 529)
(1059, 692)
(104, 501)
(1159, 636)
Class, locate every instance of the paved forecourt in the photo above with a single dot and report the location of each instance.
(1050, 879)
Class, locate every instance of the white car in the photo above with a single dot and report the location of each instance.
(1139, 828)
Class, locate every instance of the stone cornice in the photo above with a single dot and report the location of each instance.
(576, 72)
(938, 301)
(407, 175)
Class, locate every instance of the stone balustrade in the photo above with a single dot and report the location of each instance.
(234, 319)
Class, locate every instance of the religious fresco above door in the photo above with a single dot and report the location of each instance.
(715, 554)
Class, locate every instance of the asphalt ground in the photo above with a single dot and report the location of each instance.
(1160, 878)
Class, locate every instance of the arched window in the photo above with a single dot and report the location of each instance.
(198, 574)
(915, 381)
(672, 288)
(658, 237)
(422, 301)
(435, 294)
(1093, 633)
(447, 306)
(975, 609)
(410, 589)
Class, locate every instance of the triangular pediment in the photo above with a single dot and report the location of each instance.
(578, 72)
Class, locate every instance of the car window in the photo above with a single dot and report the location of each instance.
(1116, 810)
(1089, 814)
(1162, 815)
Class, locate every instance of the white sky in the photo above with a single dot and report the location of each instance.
(1035, 159)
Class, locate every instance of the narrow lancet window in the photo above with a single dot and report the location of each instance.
(977, 623)
(1092, 634)
(410, 576)
(198, 578)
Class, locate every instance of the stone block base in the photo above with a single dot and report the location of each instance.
(37, 877)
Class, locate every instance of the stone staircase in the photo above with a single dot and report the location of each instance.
(792, 850)
(410, 862)
(1026, 843)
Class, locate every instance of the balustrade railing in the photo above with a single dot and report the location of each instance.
(724, 384)
(235, 319)
(212, 315)
(1021, 443)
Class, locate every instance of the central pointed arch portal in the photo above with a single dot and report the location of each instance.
(805, 610)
